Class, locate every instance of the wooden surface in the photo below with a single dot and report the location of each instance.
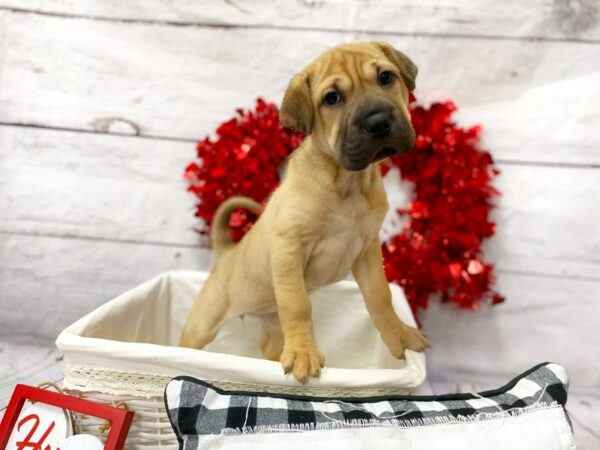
(534, 20)
(178, 82)
(27, 362)
(101, 103)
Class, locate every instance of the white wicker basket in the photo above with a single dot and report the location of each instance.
(125, 351)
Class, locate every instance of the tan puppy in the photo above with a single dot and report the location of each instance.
(324, 219)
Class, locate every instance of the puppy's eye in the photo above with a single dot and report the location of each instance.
(332, 98)
(386, 78)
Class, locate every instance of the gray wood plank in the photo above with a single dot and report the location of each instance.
(46, 283)
(180, 82)
(584, 412)
(543, 319)
(26, 361)
(96, 186)
(536, 19)
(543, 221)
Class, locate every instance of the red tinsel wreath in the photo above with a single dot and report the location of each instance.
(439, 248)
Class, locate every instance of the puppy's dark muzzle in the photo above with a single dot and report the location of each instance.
(385, 133)
(377, 124)
(375, 131)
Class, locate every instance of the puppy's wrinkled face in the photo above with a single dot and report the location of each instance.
(353, 100)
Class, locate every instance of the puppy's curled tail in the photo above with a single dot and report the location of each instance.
(219, 233)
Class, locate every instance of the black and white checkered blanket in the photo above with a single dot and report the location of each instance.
(196, 409)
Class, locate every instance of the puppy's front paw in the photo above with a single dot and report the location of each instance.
(404, 337)
(302, 360)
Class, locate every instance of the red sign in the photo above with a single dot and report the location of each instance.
(120, 419)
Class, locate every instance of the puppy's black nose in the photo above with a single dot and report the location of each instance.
(377, 124)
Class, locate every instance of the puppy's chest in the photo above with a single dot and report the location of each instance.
(343, 237)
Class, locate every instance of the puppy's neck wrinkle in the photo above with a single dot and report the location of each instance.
(350, 183)
(322, 166)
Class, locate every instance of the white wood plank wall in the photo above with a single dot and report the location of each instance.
(101, 103)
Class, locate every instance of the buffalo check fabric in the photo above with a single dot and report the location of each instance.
(199, 411)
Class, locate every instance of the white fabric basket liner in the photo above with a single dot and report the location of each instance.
(137, 334)
(126, 351)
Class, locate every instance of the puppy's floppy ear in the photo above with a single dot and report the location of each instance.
(296, 109)
(403, 62)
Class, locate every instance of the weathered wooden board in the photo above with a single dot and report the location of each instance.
(24, 360)
(166, 80)
(118, 188)
(543, 123)
(544, 319)
(96, 186)
(546, 221)
(47, 283)
(584, 412)
(532, 19)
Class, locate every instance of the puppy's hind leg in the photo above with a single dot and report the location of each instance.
(208, 314)
(272, 339)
